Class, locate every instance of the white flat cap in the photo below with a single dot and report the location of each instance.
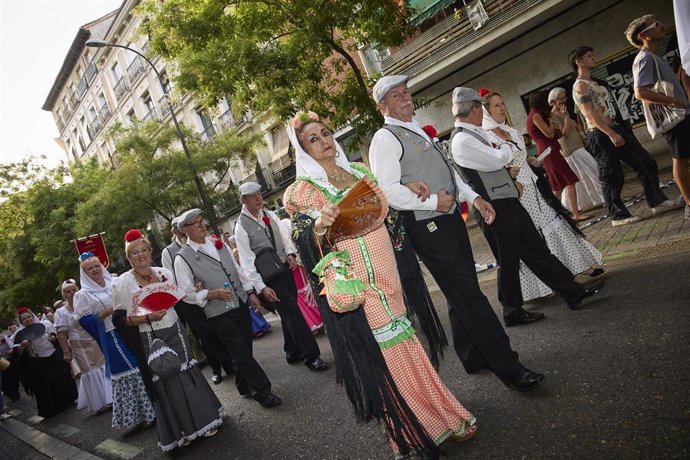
(462, 94)
(386, 84)
(186, 217)
(248, 188)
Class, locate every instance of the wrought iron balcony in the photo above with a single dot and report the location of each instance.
(90, 72)
(227, 120)
(152, 114)
(104, 113)
(60, 123)
(121, 88)
(208, 133)
(93, 129)
(164, 106)
(136, 68)
(67, 114)
(82, 86)
(449, 36)
(74, 101)
(285, 175)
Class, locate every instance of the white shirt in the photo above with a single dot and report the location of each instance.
(166, 259)
(384, 157)
(247, 256)
(185, 276)
(470, 152)
(66, 320)
(126, 286)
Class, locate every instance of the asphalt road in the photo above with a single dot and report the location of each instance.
(617, 370)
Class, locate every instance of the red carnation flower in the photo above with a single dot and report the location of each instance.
(484, 91)
(430, 130)
(218, 243)
(266, 220)
(133, 235)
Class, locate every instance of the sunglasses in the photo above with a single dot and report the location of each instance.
(653, 25)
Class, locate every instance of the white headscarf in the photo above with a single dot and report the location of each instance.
(306, 166)
(87, 284)
(488, 123)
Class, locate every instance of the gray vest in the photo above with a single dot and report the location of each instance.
(213, 274)
(493, 185)
(259, 236)
(173, 248)
(421, 160)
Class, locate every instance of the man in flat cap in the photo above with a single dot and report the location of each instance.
(267, 254)
(512, 236)
(224, 297)
(192, 315)
(401, 153)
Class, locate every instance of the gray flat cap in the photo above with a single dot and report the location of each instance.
(386, 84)
(186, 217)
(248, 188)
(462, 94)
(174, 221)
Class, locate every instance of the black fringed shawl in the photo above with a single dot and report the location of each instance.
(415, 291)
(360, 366)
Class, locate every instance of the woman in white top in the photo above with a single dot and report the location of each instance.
(94, 306)
(186, 407)
(78, 346)
(47, 375)
(562, 237)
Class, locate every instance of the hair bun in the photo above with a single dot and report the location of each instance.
(484, 91)
(133, 235)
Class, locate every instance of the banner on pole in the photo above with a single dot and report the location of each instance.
(95, 244)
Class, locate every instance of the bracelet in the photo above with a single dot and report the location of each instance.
(322, 233)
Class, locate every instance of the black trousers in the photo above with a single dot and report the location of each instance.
(213, 347)
(478, 337)
(513, 237)
(299, 341)
(609, 158)
(235, 332)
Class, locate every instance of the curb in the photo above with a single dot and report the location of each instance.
(44, 443)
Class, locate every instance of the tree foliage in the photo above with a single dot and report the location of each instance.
(43, 210)
(282, 55)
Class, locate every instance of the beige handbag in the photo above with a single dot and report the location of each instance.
(4, 364)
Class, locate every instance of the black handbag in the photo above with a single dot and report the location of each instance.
(268, 264)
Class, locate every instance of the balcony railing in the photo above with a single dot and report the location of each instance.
(82, 86)
(93, 129)
(259, 180)
(285, 175)
(68, 114)
(152, 114)
(136, 68)
(74, 101)
(121, 88)
(104, 113)
(450, 35)
(90, 71)
(226, 120)
(60, 123)
(208, 133)
(164, 106)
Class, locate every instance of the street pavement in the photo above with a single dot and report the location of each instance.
(617, 377)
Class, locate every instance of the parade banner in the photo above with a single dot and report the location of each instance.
(95, 244)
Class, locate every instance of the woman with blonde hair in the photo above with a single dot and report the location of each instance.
(186, 407)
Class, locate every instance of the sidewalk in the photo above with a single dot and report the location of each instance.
(613, 242)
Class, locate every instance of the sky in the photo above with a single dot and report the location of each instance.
(35, 36)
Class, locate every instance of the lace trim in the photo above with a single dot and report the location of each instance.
(191, 437)
(158, 353)
(121, 375)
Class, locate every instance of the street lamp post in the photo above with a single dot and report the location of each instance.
(96, 43)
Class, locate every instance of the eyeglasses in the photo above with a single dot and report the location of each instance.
(653, 25)
(139, 252)
(198, 224)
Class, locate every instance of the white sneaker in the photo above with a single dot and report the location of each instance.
(664, 206)
(625, 221)
(4, 417)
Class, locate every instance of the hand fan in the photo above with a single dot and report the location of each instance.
(30, 332)
(159, 296)
(362, 209)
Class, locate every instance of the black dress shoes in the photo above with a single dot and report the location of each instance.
(589, 290)
(292, 359)
(270, 401)
(216, 378)
(522, 317)
(525, 381)
(317, 365)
